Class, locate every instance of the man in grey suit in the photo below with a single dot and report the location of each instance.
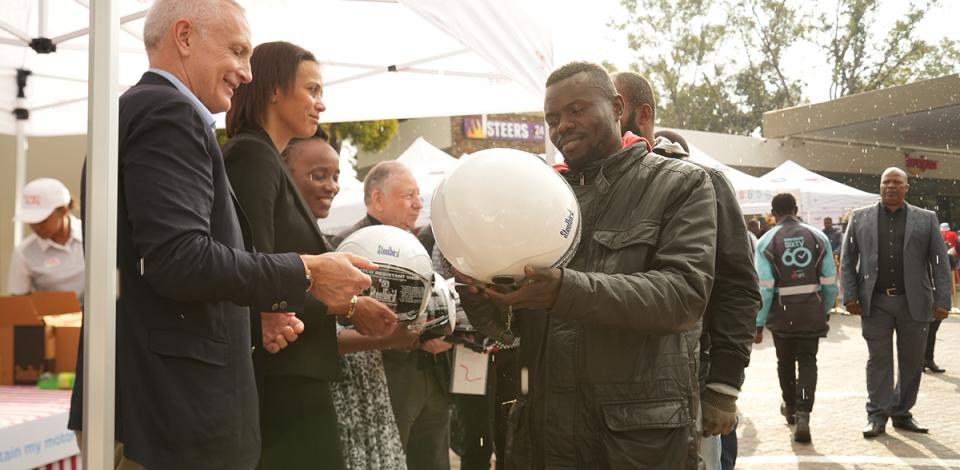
(897, 277)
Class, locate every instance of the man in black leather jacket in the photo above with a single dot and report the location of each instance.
(729, 322)
(611, 340)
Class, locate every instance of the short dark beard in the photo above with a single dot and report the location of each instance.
(631, 124)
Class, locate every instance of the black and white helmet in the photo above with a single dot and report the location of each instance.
(404, 280)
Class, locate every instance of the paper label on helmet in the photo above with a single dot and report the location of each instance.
(402, 291)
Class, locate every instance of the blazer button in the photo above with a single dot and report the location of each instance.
(275, 307)
(283, 304)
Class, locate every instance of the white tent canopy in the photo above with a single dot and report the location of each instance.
(429, 166)
(819, 196)
(753, 194)
(380, 59)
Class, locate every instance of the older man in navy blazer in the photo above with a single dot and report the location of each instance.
(896, 275)
(190, 285)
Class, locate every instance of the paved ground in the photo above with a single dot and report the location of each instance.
(765, 439)
(839, 415)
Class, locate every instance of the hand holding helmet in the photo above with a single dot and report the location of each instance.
(435, 345)
(502, 210)
(474, 302)
(402, 337)
(538, 290)
(336, 278)
(372, 318)
(402, 281)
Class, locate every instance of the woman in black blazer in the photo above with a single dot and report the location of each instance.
(297, 419)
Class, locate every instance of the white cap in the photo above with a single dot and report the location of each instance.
(945, 226)
(40, 198)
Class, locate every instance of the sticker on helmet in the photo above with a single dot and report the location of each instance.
(404, 292)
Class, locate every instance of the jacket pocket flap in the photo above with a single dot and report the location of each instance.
(177, 344)
(661, 414)
(646, 232)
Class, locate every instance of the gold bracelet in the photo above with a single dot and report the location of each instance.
(353, 307)
(309, 276)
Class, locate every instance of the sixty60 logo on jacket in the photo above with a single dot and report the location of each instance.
(795, 265)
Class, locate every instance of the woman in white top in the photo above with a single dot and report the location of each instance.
(51, 258)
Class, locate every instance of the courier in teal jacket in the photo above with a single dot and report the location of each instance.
(798, 285)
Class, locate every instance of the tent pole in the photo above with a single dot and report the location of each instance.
(42, 19)
(100, 224)
(549, 151)
(24, 38)
(20, 171)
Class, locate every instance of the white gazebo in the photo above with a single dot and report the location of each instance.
(64, 62)
(753, 194)
(819, 196)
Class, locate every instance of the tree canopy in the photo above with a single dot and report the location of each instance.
(718, 65)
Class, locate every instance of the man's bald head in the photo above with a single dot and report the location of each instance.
(893, 187)
(640, 105)
(894, 170)
(205, 44)
(163, 14)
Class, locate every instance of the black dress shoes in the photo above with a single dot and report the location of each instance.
(873, 429)
(933, 367)
(907, 424)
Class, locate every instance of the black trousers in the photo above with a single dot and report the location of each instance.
(298, 424)
(505, 387)
(473, 431)
(931, 339)
(797, 369)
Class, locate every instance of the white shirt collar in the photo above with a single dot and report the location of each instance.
(204, 112)
(76, 233)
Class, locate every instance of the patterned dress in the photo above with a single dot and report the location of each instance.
(368, 430)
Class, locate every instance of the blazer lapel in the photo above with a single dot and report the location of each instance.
(909, 215)
(868, 236)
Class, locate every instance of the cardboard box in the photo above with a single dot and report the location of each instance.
(37, 332)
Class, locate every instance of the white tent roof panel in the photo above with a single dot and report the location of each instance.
(355, 41)
(753, 194)
(818, 196)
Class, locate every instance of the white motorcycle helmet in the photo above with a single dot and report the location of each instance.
(441, 315)
(404, 279)
(503, 209)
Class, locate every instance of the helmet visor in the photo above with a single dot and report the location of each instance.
(402, 290)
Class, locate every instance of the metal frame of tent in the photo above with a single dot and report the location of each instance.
(104, 30)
